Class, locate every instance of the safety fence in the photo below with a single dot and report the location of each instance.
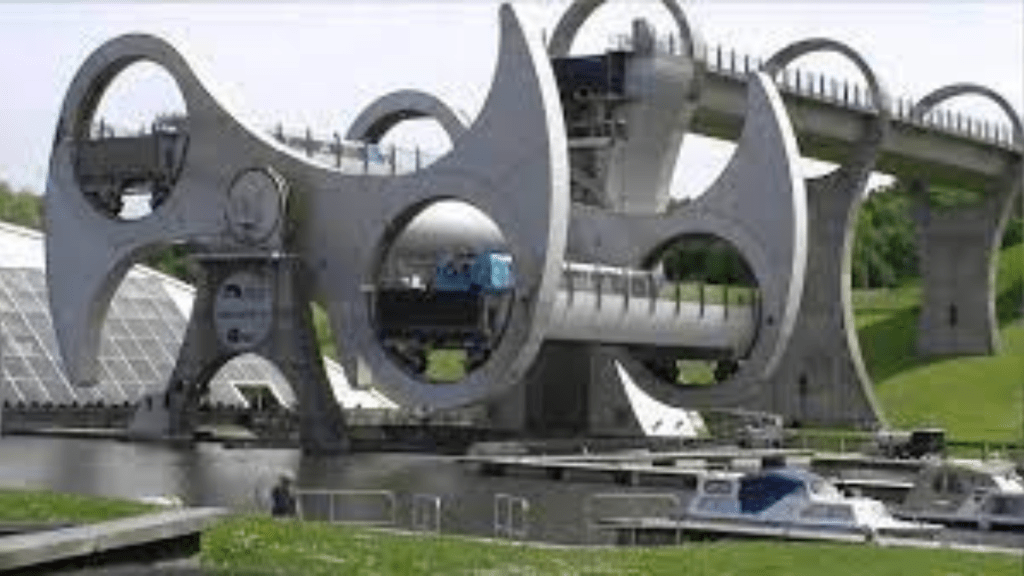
(602, 510)
(377, 159)
(380, 508)
(358, 507)
(726, 61)
(869, 443)
(511, 516)
(985, 449)
(355, 157)
(426, 513)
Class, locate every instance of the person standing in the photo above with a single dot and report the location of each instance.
(282, 498)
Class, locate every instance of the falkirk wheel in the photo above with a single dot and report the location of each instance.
(554, 306)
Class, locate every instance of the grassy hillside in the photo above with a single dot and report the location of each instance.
(976, 397)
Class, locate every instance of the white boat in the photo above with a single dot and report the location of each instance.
(795, 499)
(987, 494)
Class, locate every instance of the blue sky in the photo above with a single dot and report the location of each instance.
(318, 63)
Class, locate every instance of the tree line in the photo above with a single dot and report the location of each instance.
(885, 246)
(22, 207)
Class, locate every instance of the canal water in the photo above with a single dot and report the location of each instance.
(211, 475)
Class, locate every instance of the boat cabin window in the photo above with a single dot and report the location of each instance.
(947, 482)
(759, 493)
(1006, 505)
(717, 487)
(831, 512)
(822, 488)
(716, 504)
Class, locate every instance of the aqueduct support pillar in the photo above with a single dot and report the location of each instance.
(959, 249)
(821, 379)
(958, 252)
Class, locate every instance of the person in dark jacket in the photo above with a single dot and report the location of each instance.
(281, 497)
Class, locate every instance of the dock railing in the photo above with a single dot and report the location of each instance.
(827, 441)
(511, 516)
(357, 507)
(843, 442)
(985, 449)
(425, 515)
(601, 507)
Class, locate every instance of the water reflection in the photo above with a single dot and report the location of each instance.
(210, 475)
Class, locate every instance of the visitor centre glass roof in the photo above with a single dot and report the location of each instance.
(140, 339)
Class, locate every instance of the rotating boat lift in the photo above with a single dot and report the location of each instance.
(571, 157)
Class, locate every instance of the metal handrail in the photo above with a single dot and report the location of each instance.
(592, 524)
(426, 507)
(505, 508)
(387, 496)
(728, 61)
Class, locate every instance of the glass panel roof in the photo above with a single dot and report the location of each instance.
(140, 340)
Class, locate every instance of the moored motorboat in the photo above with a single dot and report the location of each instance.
(987, 494)
(798, 499)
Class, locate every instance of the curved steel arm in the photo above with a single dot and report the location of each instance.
(879, 95)
(389, 110)
(940, 95)
(580, 11)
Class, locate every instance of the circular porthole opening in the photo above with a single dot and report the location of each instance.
(130, 149)
(443, 292)
(712, 291)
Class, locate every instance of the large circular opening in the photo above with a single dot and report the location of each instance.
(415, 144)
(715, 299)
(443, 292)
(408, 146)
(130, 151)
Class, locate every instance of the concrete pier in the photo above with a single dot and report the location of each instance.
(147, 537)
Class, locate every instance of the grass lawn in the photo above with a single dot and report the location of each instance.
(973, 397)
(42, 506)
(254, 545)
(445, 365)
(696, 372)
(259, 545)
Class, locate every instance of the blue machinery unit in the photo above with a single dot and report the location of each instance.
(488, 272)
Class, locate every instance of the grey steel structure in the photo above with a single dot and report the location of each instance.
(572, 158)
(139, 340)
